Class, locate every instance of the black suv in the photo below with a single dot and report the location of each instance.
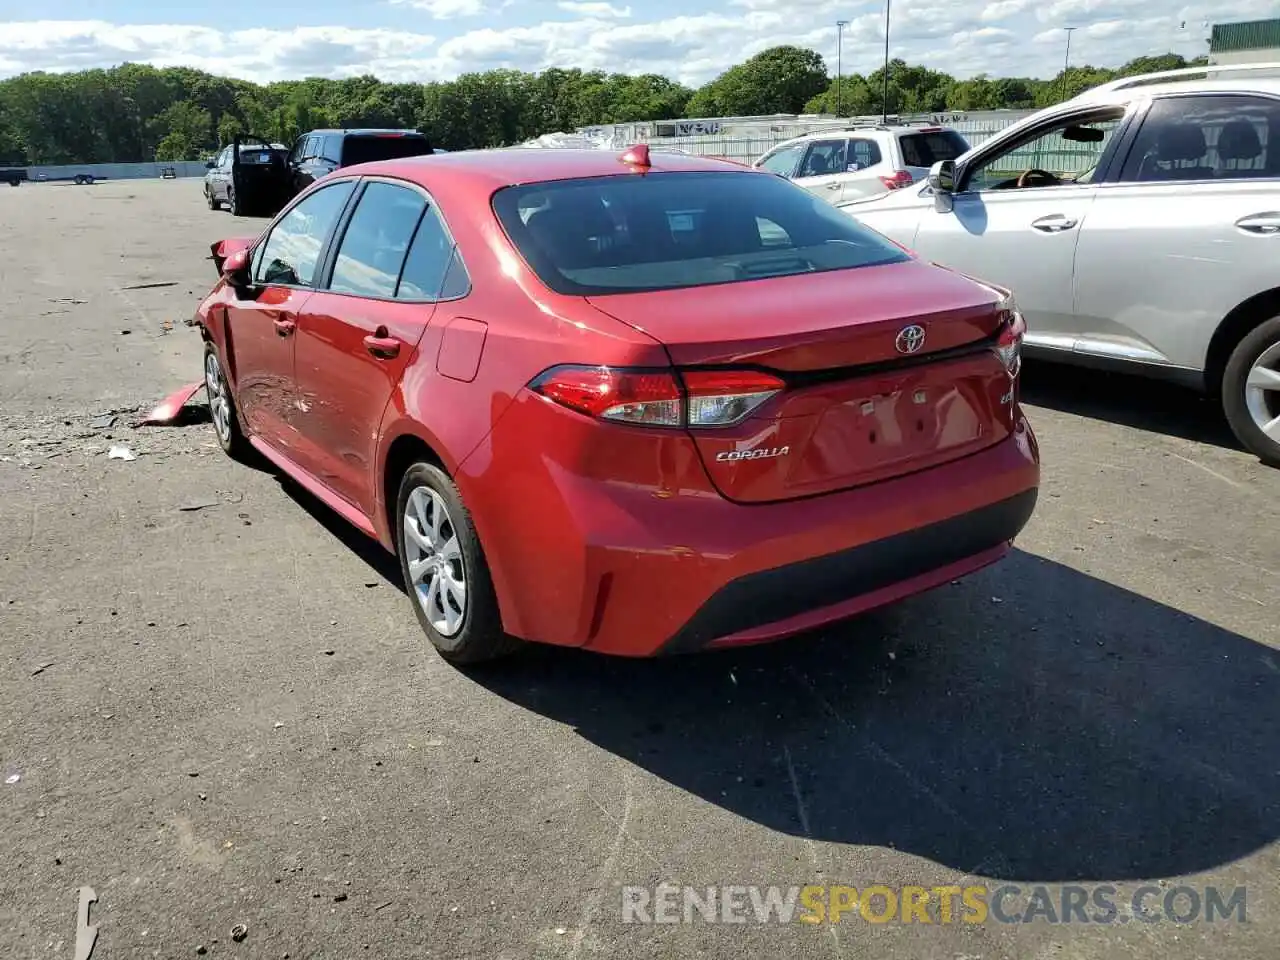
(320, 152)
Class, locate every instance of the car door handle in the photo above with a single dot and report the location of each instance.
(284, 328)
(380, 344)
(834, 186)
(1053, 223)
(1260, 223)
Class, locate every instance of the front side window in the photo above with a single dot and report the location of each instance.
(1216, 137)
(662, 231)
(1067, 152)
(377, 237)
(293, 247)
(824, 158)
(783, 161)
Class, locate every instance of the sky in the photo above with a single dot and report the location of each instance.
(688, 40)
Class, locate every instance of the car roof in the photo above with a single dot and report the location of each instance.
(365, 131)
(1108, 94)
(511, 166)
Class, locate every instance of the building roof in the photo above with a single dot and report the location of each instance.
(1248, 35)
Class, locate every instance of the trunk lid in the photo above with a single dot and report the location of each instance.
(856, 409)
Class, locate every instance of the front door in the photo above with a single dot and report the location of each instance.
(262, 322)
(360, 330)
(822, 171)
(1016, 217)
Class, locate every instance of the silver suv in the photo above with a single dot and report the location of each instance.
(1138, 225)
(857, 163)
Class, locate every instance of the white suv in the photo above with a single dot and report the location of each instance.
(1139, 227)
(859, 163)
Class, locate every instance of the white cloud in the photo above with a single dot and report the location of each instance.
(445, 9)
(591, 8)
(998, 38)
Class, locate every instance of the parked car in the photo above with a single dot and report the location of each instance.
(1138, 225)
(320, 152)
(862, 162)
(14, 176)
(590, 400)
(249, 176)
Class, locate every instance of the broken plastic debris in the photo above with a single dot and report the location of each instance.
(104, 422)
(121, 453)
(168, 409)
(13, 778)
(239, 932)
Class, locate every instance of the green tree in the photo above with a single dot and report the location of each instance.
(188, 132)
(777, 80)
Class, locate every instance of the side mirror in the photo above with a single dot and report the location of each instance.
(209, 165)
(942, 177)
(235, 269)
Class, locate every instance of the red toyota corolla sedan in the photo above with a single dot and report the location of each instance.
(633, 404)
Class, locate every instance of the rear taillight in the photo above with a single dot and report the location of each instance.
(897, 180)
(658, 398)
(1009, 342)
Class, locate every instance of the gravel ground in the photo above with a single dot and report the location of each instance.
(228, 715)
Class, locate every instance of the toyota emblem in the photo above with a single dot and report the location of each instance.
(910, 339)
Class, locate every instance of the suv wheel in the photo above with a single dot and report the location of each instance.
(444, 569)
(1251, 392)
(233, 203)
(208, 196)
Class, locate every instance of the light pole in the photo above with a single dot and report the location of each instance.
(840, 25)
(1066, 61)
(884, 106)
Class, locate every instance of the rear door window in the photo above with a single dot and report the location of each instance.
(293, 247)
(862, 154)
(1206, 137)
(824, 158)
(429, 260)
(376, 239)
(927, 148)
(662, 231)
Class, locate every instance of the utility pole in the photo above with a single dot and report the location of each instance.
(1066, 62)
(840, 25)
(884, 107)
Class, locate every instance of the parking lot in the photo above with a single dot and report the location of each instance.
(219, 708)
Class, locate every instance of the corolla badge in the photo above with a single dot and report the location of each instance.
(760, 453)
(910, 339)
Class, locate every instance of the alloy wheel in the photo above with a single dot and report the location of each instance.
(1262, 392)
(437, 571)
(219, 402)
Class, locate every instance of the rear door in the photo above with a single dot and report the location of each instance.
(361, 328)
(823, 167)
(865, 163)
(262, 325)
(1195, 212)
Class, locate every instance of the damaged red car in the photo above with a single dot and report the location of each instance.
(634, 404)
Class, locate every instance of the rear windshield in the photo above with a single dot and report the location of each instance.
(926, 149)
(661, 231)
(374, 147)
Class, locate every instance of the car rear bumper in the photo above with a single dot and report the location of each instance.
(586, 561)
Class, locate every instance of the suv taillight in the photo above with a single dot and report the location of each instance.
(898, 180)
(658, 397)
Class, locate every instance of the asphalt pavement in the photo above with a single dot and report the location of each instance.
(216, 707)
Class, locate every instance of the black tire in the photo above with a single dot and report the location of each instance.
(1235, 403)
(209, 198)
(233, 202)
(233, 441)
(480, 636)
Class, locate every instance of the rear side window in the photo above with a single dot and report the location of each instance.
(1206, 138)
(428, 260)
(862, 154)
(366, 149)
(926, 149)
(825, 157)
(627, 233)
(293, 247)
(376, 240)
